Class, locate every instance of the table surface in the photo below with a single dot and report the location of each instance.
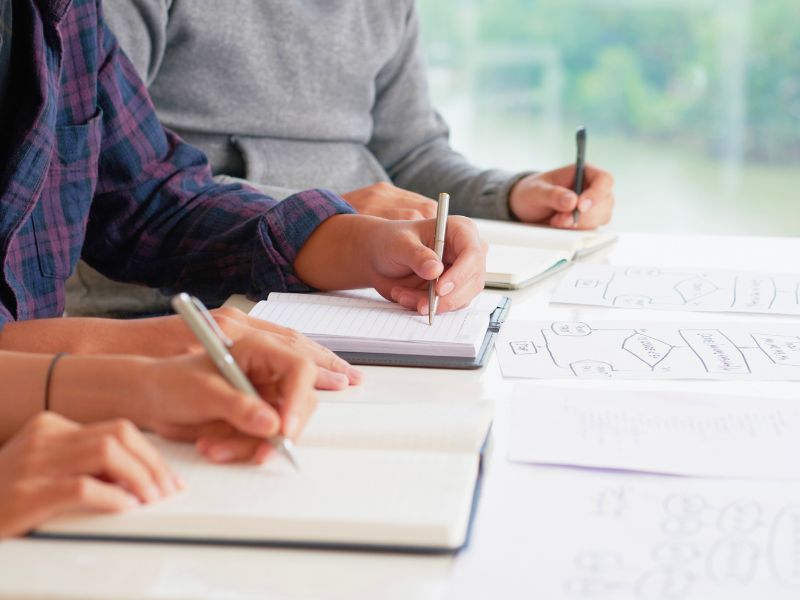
(505, 558)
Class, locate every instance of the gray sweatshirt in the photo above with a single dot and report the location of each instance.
(294, 94)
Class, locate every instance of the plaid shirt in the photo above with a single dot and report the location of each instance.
(92, 173)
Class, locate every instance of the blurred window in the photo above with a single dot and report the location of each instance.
(694, 105)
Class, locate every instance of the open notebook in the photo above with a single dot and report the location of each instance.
(520, 255)
(365, 328)
(391, 476)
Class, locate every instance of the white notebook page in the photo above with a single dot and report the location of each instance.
(356, 323)
(459, 426)
(337, 496)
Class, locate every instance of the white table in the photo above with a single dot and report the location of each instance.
(505, 558)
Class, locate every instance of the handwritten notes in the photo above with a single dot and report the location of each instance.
(658, 432)
(680, 289)
(656, 350)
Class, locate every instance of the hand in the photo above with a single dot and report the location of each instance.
(403, 263)
(54, 465)
(333, 373)
(187, 399)
(390, 202)
(547, 198)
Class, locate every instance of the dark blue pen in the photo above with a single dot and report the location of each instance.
(580, 165)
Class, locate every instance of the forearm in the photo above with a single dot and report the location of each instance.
(82, 388)
(87, 389)
(23, 381)
(337, 255)
(157, 337)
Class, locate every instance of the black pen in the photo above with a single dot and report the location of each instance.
(580, 165)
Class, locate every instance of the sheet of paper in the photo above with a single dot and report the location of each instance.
(657, 432)
(459, 426)
(650, 350)
(357, 322)
(680, 289)
(624, 537)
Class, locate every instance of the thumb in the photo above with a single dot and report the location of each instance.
(419, 258)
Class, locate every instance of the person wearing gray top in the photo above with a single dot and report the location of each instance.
(328, 93)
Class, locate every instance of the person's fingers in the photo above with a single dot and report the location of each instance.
(562, 221)
(554, 197)
(321, 355)
(100, 453)
(190, 433)
(299, 401)
(246, 413)
(328, 380)
(599, 183)
(37, 500)
(284, 378)
(413, 254)
(140, 447)
(461, 297)
(409, 297)
(233, 448)
(86, 493)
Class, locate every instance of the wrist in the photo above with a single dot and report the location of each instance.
(87, 389)
(338, 254)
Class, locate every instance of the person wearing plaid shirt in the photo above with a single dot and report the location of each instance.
(87, 170)
(90, 172)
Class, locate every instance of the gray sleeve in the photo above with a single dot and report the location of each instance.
(410, 139)
(141, 28)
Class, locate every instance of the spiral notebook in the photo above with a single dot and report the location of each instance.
(364, 328)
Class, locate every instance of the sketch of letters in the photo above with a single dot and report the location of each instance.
(695, 434)
(676, 540)
(650, 350)
(680, 289)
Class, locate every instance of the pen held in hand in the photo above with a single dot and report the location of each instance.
(217, 345)
(442, 210)
(580, 167)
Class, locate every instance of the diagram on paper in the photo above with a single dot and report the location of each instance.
(649, 350)
(680, 289)
(705, 541)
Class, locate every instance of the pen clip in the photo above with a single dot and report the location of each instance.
(204, 312)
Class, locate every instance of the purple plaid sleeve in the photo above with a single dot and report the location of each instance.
(95, 174)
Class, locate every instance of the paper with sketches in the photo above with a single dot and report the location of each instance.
(615, 537)
(649, 350)
(680, 289)
(657, 432)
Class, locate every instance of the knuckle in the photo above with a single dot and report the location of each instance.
(81, 488)
(293, 337)
(123, 428)
(106, 445)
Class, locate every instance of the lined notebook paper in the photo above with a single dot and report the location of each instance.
(377, 475)
(362, 321)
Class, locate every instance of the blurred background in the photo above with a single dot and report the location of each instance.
(694, 105)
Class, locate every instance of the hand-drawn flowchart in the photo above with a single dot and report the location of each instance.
(649, 350)
(707, 540)
(680, 289)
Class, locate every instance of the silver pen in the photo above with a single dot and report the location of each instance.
(217, 345)
(442, 210)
